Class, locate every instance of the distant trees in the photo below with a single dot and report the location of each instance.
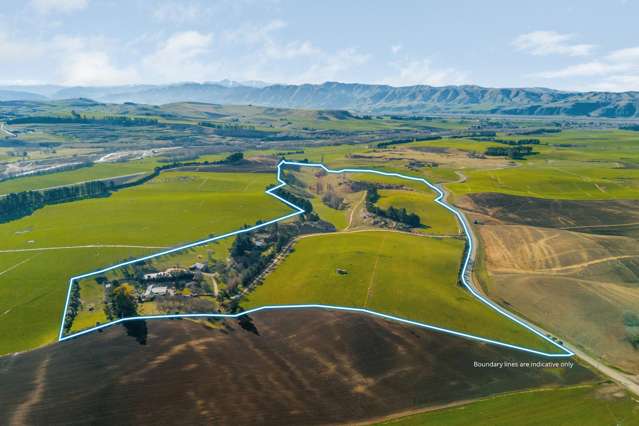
(406, 140)
(236, 130)
(631, 323)
(235, 157)
(518, 142)
(516, 152)
(298, 201)
(73, 307)
(82, 119)
(332, 200)
(20, 204)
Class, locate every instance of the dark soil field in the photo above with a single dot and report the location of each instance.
(294, 367)
(610, 217)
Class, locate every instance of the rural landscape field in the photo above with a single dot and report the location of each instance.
(319, 213)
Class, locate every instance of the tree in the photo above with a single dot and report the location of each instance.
(123, 301)
(234, 158)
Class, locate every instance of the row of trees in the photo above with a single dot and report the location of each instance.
(406, 140)
(236, 130)
(518, 142)
(82, 119)
(515, 152)
(73, 308)
(20, 204)
(400, 215)
(298, 201)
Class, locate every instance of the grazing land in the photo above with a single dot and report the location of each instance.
(580, 254)
(553, 205)
(41, 252)
(302, 367)
(84, 174)
(408, 276)
(595, 405)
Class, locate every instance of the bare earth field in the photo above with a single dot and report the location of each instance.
(301, 367)
(607, 217)
(576, 271)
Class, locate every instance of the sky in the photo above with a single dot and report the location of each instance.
(567, 45)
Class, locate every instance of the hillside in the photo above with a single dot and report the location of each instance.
(373, 98)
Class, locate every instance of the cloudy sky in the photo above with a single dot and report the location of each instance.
(570, 45)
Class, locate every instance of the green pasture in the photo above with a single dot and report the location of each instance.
(405, 275)
(95, 172)
(175, 208)
(579, 406)
(436, 218)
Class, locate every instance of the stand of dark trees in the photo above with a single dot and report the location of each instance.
(518, 142)
(393, 213)
(406, 140)
(248, 260)
(81, 119)
(237, 130)
(298, 201)
(516, 152)
(73, 307)
(20, 204)
(539, 131)
(633, 127)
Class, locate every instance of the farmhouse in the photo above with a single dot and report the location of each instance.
(153, 290)
(197, 266)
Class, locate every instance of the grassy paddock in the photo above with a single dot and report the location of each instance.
(408, 276)
(95, 172)
(173, 209)
(586, 405)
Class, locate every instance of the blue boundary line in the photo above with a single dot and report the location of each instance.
(439, 200)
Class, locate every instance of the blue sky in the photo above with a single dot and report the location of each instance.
(570, 45)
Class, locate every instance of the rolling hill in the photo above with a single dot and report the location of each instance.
(373, 98)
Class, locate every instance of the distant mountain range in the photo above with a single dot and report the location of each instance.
(363, 98)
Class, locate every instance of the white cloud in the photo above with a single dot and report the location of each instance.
(96, 69)
(183, 56)
(268, 46)
(327, 66)
(396, 48)
(15, 50)
(616, 71)
(63, 6)
(624, 55)
(421, 71)
(178, 12)
(551, 42)
(587, 69)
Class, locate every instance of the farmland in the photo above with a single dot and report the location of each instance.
(582, 405)
(557, 228)
(302, 367)
(404, 275)
(68, 239)
(582, 257)
(98, 171)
